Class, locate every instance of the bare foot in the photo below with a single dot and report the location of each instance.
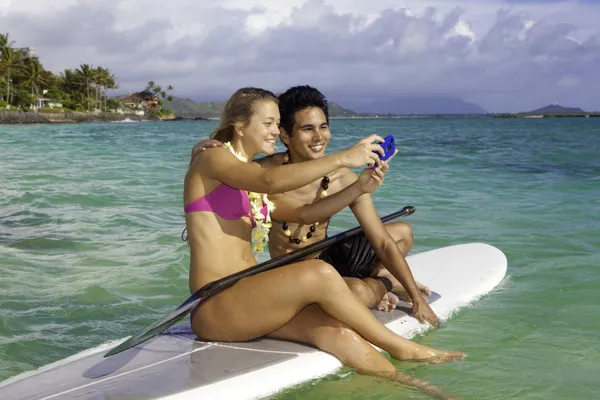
(388, 302)
(424, 386)
(403, 294)
(425, 354)
(444, 357)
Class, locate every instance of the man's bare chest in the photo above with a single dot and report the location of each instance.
(313, 192)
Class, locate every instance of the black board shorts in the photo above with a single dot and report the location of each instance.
(352, 258)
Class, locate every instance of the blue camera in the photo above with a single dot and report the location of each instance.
(389, 147)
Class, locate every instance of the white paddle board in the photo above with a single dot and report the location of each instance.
(177, 366)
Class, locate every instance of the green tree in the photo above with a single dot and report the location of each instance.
(21, 97)
(10, 61)
(34, 76)
(86, 73)
(106, 80)
(70, 82)
(23, 77)
(159, 92)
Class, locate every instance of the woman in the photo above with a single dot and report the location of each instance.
(220, 216)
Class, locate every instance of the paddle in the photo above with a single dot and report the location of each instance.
(219, 285)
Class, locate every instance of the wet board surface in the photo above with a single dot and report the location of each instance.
(175, 365)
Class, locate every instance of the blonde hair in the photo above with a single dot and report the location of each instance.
(238, 109)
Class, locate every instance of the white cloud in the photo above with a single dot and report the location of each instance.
(505, 57)
(461, 28)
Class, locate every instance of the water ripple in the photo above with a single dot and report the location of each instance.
(90, 248)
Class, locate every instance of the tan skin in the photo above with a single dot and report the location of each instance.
(208, 232)
(307, 301)
(309, 141)
(301, 207)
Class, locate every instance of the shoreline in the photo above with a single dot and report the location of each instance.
(556, 115)
(14, 117)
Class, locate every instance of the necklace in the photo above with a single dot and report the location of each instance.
(286, 231)
(262, 223)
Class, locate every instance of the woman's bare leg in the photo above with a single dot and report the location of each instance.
(261, 304)
(313, 326)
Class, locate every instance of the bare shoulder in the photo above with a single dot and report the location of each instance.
(272, 161)
(213, 156)
(214, 153)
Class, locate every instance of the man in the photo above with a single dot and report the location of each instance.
(373, 263)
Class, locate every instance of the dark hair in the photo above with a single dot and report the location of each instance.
(238, 109)
(296, 99)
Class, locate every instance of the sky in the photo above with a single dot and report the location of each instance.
(505, 56)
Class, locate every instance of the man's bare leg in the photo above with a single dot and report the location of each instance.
(397, 287)
(373, 293)
(370, 291)
(402, 234)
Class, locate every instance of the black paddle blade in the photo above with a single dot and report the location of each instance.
(156, 328)
(180, 312)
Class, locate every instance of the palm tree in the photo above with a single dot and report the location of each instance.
(158, 90)
(170, 88)
(34, 75)
(4, 42)
(107, 81)
(110, 83)
(101, 79)
(96, 75)
(85, 71)
(70, 82)
(102, 75)
(9, 59)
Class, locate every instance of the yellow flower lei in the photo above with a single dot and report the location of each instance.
(260, 233)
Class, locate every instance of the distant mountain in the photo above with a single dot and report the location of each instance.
(335, 110)
(420, 106)
(557, 109)
(190, 109)
(212, 109)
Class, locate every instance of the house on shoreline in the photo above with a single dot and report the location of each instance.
(43, 102)
(142, 101)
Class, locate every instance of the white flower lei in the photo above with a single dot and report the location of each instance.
(260, 233)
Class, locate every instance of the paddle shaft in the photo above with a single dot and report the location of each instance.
(219, 285)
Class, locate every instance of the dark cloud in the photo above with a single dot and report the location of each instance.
(514, 62)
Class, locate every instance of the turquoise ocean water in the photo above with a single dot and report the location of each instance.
(90, 218)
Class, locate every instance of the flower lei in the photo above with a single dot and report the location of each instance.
(262, 223)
